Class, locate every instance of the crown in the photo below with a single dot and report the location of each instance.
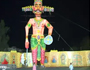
(46, 9)
(37, 1)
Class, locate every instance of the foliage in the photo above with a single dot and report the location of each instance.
(85, 43)
(4, 38)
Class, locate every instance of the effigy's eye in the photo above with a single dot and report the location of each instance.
(40, 5)
(35, 5)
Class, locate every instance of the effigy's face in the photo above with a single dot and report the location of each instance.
(38, 8)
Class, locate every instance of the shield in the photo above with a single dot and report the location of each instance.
(48, 40)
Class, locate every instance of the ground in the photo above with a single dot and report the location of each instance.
(56, 68)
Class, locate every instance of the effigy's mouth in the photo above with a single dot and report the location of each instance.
(38, 11)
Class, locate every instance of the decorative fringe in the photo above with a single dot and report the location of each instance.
(46, 9)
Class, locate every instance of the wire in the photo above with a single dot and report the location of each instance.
(73, 22)
(57, 33)
(67, 43)
(62, 39)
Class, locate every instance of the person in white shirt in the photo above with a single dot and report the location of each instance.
(71, 66)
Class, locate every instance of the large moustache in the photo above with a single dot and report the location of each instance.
(38, 10)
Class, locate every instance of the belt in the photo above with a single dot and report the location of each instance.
(38, 36)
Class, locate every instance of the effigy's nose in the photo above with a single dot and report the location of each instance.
(38, 7)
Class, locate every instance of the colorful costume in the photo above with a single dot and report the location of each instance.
(38, 48)
(37, 39)
(38, 25)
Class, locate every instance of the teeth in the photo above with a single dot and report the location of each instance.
(38, 11)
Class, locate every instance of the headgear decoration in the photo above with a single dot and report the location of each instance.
(46, 8)
(37, 1)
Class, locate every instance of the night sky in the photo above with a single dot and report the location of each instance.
(68, 15)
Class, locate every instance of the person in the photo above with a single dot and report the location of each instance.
(34, 67)
(37, 39)
(71, 66)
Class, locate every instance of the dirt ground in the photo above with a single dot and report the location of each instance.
(56, 68)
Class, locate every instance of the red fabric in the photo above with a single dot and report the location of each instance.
(34, 55)
(5, 62)
(42, 56)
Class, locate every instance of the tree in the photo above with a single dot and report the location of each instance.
(85, 43)
(4, 38)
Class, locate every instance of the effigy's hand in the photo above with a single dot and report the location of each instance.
(26, 45)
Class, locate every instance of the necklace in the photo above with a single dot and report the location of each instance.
(38, 21)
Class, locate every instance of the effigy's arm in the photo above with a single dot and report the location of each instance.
(49, 26)
(27, 27)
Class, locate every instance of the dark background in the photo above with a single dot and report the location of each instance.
(70, 19)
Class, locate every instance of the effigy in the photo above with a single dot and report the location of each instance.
(38, 41)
